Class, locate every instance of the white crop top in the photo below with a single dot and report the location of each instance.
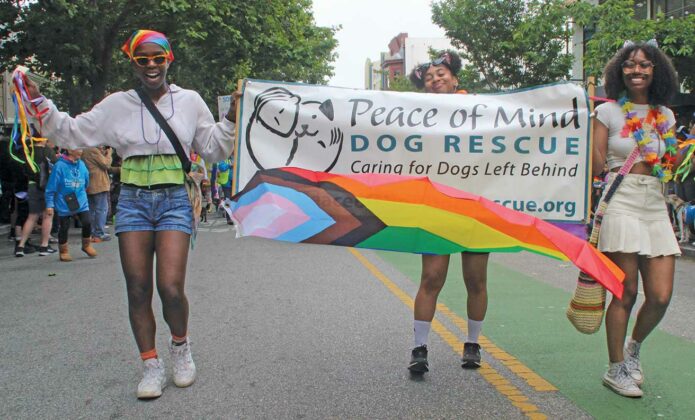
(619, 147)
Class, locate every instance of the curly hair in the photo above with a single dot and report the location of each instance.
(664, 81)
(448, 59)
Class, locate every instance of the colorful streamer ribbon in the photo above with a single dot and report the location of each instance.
(686, 166)
(21, 137)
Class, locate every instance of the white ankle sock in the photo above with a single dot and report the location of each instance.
(422, 331)
(474, 328)
(613, 367)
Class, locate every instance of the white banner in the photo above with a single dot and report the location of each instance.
(527, 150)
(223, 105)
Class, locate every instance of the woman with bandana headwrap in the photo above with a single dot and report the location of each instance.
(154, 215)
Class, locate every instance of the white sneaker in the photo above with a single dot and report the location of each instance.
(632, 362)
(153, 379)
(619, 380)
(184, 368)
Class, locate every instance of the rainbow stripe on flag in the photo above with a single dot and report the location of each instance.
(400, 213)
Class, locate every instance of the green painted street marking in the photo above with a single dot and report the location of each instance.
(526, 317)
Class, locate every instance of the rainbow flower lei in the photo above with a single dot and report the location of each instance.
(635, 128)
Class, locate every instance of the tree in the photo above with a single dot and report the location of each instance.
(221, 41)
(613, 22)
(507, 44)
(71, 40)
(401, 83)
(214, 41)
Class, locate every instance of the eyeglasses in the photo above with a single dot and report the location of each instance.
(144, 60)
(630, 65)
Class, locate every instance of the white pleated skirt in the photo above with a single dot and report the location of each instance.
(636, 220)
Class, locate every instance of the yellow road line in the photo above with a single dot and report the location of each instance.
(522, 371)
(501, 384)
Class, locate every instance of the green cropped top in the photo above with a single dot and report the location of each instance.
(146, 171)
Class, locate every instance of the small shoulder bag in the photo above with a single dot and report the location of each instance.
(588, 303)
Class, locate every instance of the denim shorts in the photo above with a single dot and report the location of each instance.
(153, 210)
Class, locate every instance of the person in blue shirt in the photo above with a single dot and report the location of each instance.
(224, 177)
(66, 194)
(224, 180)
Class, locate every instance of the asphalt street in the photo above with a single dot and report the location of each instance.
(293, 331)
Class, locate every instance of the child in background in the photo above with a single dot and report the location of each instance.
(207, 200)
(66, 192)
(224, 180)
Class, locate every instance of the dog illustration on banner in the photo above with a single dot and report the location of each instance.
(285, 131)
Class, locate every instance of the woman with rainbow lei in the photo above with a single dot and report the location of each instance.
(154, 214)
(636, 232)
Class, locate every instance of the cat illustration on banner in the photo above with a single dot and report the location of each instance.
(285, 131)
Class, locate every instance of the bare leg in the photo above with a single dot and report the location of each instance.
(46, 226)
(475, 277)
(171, 248)
(657, 280)
(618, 312)
(434, 269)
(28, 228)
(137, 253)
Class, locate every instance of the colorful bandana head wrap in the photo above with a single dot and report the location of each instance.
(145, 35)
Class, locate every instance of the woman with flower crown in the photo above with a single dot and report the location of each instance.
(154, 214)
(636, 232)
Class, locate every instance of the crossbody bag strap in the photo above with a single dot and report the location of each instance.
(601, 210)
(164, 125)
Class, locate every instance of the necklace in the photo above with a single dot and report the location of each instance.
(642, 130)
(159, 129)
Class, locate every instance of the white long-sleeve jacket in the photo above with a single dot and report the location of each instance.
(123, 122)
